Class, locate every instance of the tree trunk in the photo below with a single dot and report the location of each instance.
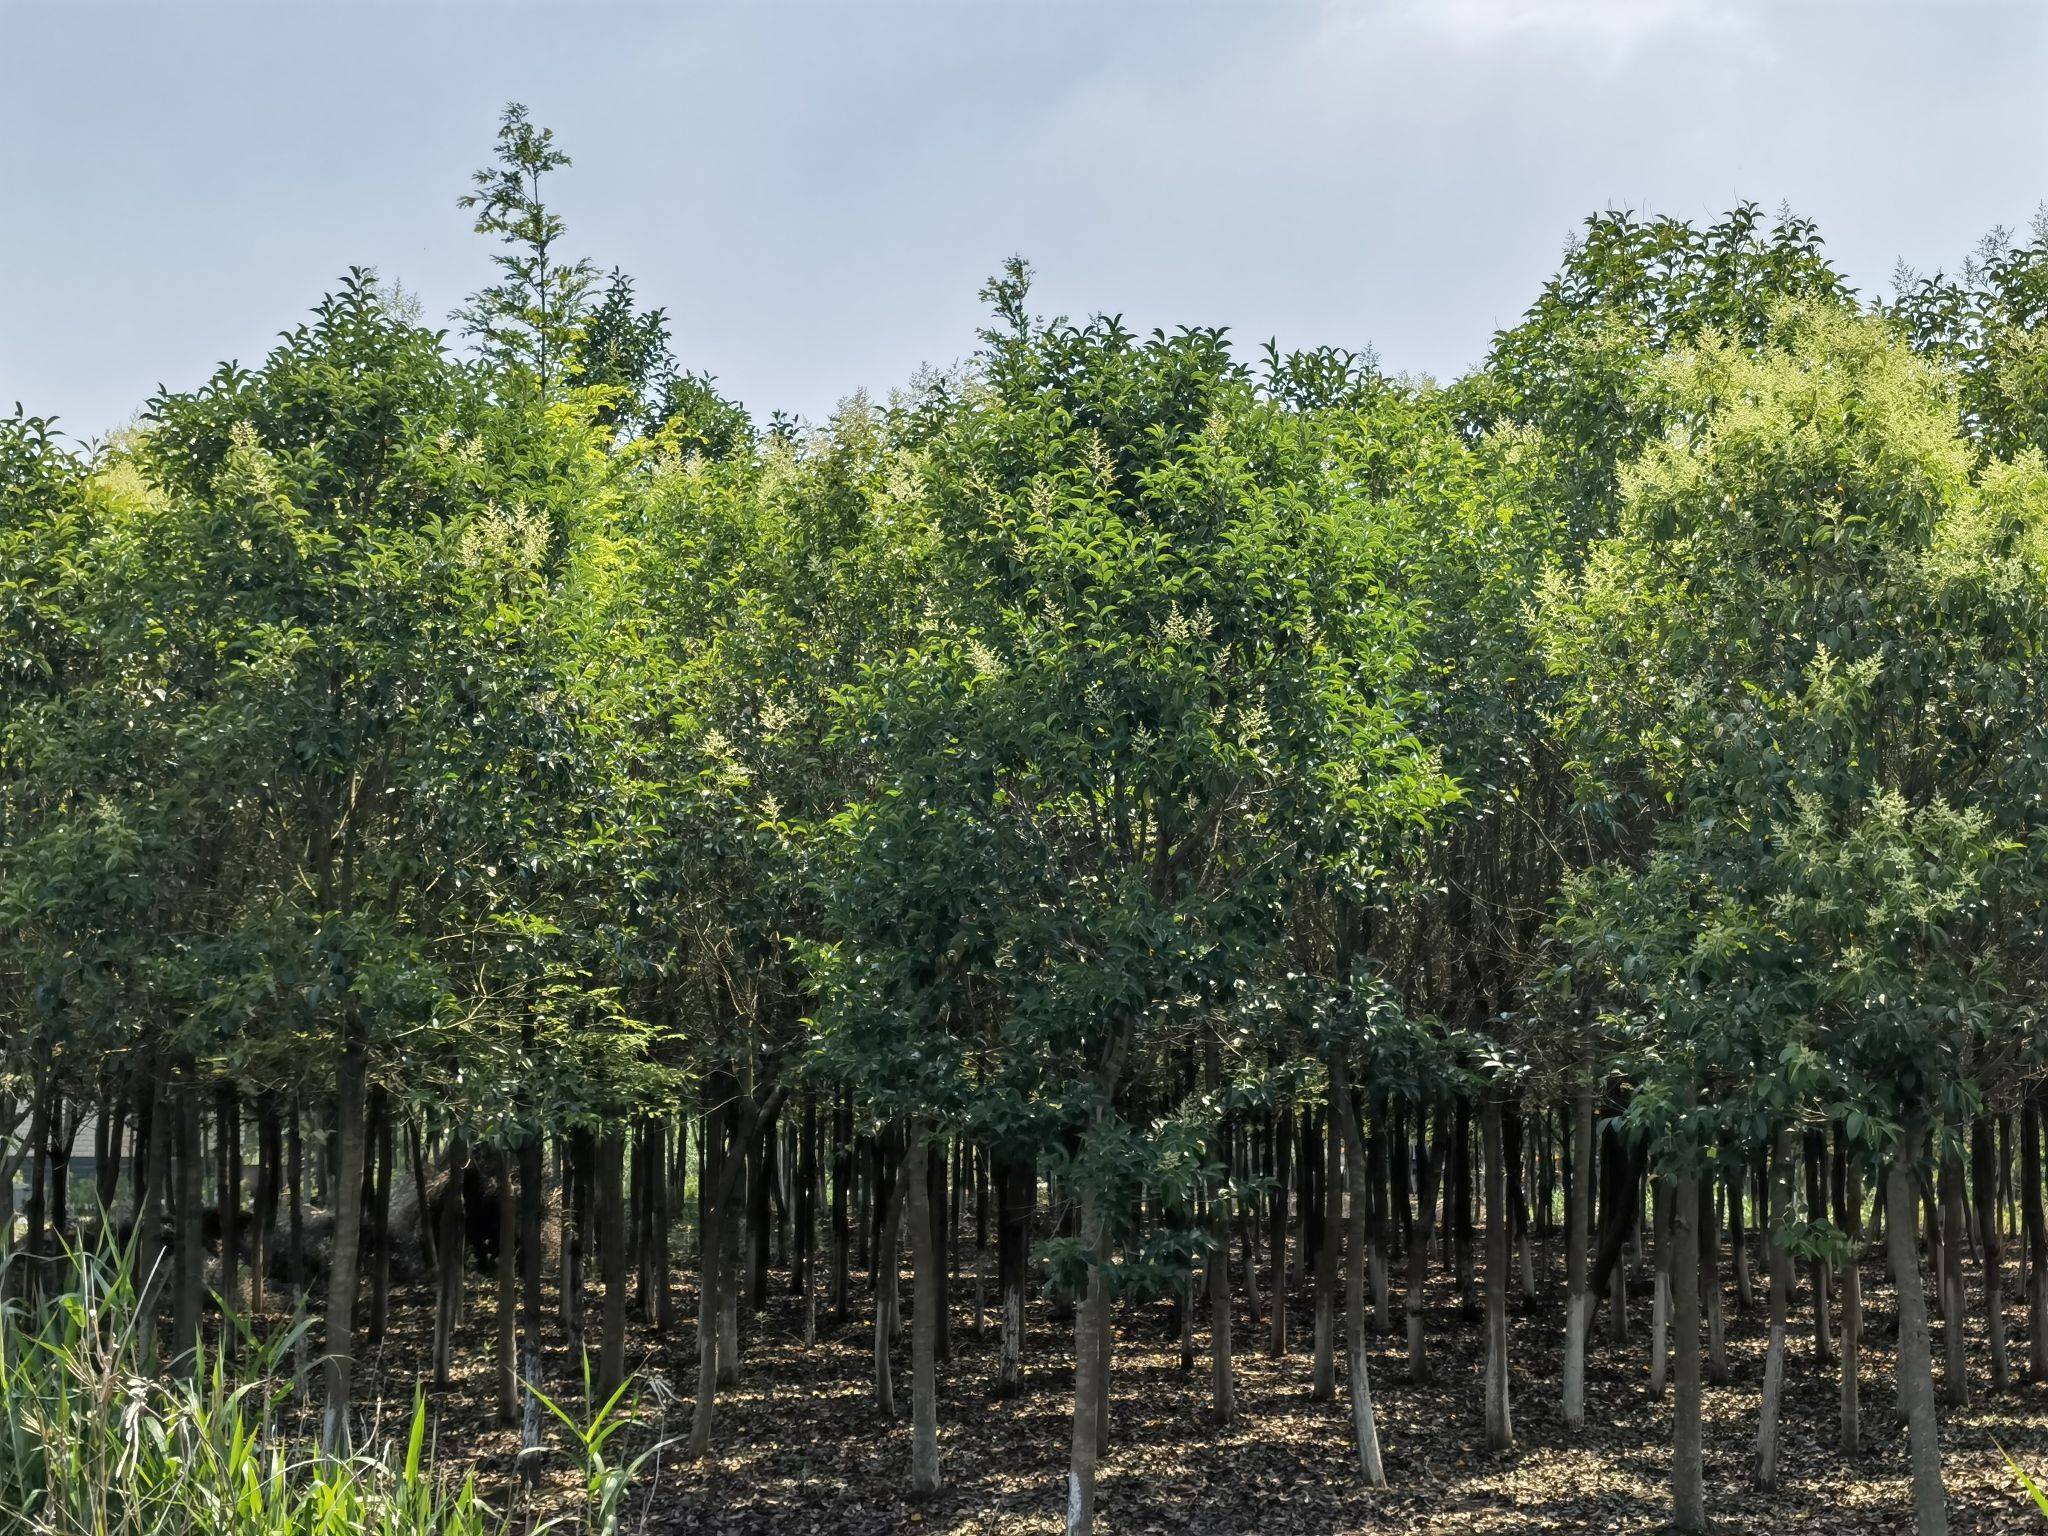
(888, 1183)
(611, 1239)
(842, 1183)
(508, 1292)
(760, 1184)
(1276, 1232)
(1916, 1367)
(1738, 1246)
(295, 1197)
(1222, 1364)
(1377, 1175)
(36, 1209)
(448, 1248)
(1364, 1425)
(228, 1196)
(1578, 1299)
(1821, 1267)
(937, 1207)
(1777, 1217)
(1660, 1298)
(924, 1322)
(1323, 1375)
(1016, 1192)
(1991, 1243)
(1091, 1369)
(377, 1192)
(1710, 1287)
(1688, 1478)
(189, 1294)
(339, 1338)
(1955, 1375)
(151, 1203)
(2034, 1224)
(1418, 1260)
(416, 1145)
(1500, 1433)
(661, 1202)
(1222, 1357)
(806, 1278)
(269, 1181)
(1851, 1434)
(532, 1199)
(1512, 1158)
(710, 1301)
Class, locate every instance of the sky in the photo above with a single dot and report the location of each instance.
(816, 191)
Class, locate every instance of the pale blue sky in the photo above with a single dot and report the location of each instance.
(816, 191)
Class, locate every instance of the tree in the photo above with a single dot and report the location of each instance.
(1804, 572)
(529, 322)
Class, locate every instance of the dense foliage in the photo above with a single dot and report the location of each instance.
(1211, 791)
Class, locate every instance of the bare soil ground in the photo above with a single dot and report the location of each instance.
(801, 1448)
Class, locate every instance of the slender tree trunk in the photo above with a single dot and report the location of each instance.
(508, 1292)
(1984, 1165)
(1459, 1206)
(416, 1145)
(532, 1202)
(151, 1209)
(1276, 1232)
(611, 1240)
(1955, 1378)
(842, 1182)
(1916, 1368)
(1500, 1433)
(806, 1279)
(1323, 1375)
(1821, 1267)
(1738, 1245)
(1222, 1364)
(1513, 1156)
(295, 1196)
(36, 1209)
(1222, 1356)
(1578, 1299)
(732, 1237)
(710, 1306)
(1090, 1372)
(1777, 1216)
(889, 1182)
(662, 1201)
(2034, 1225)
(377, 1198)
(269, 1181)
(448, 1247)
(761, 1161)
(1688, 1473)
(191, 1257)
(1016, 1192)
(924, 1322)
(350, 1123)
(937, 1207)
(1364, 1425)
(1851, 1434)
(1710, 1287)
(1377, 1174)
(1418, 1265)
(1660, 1299)
(106, 1151)
(228, 1195)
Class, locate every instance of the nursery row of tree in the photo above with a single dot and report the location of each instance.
(1124, 818)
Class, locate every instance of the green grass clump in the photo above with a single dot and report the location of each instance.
(94, 1441)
